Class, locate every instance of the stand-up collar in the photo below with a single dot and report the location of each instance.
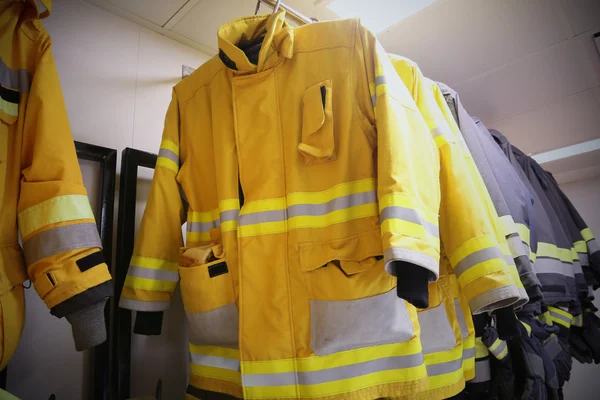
(277, 44)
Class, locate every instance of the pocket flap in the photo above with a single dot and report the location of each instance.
(354, 253)
(318, 144)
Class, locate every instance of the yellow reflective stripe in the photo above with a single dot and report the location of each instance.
(402, 200)
(229, 204)
(444, 357)
(550, 250)
(207, 216)
(580, 246)
(343, 189)
(216, 351)
(527, 327)
(507, 225)
(197, 237)
(560, 312)
(317, 363)
(170, 145)
(265, 228)
(409, 229)
(503, 353)
(334, 217)
(165, 162)
(481, 350)
(154, 263)
(524, 233)
(55, 210)
(216, 373)
(495, 345)
(565, 255)
(149, 284)
(472, 246)
(228, 226)
(440, 141)
(263, 205)
(587, 234)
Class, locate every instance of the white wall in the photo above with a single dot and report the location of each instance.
(116, 78)
(585, 196)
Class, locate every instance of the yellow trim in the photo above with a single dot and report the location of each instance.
(470, 247)
(216, 373)
(154, 263)
(372, 89)
(263, 205)
(560, 312)
(550, 250)
(441, 357)
(527, 328)
(507, 224)
(495, 345)
(382, 89)
(483, 269)
(408, 228)
(228, 226)
(167, 163)
(154, 285)
(559, 321)
(317, 363)
(55, 210)
(170, 145)
(216, 351)
(440, 141)
(340, 190)
(265, 228)
(581, 246)
(334, 217)
(229, 204)
(481, 349)
(524, 233)
(197, 237)
(403, 200)
(203, 216)
(338, 387)
(587, 234)
(502, 354)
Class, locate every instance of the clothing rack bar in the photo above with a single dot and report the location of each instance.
(292, 14)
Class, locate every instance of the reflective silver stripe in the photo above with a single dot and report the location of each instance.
(584, 259)
(214, 361)
(410, 256)
(494, 299)
(299, 210)
(156, 274)
(561, 317)
(166, 153)
(482, 371)
(16, 79)
(224, 216)
(60, 239)
(380, 80)
(461, 321)
(549, 265)
(333, 374)
(469, 353)
(498, 350)
(476, 258)
(138, 305)
(444, 368)
(592, 246)
(410, 215)
(374, 99)
(516, 246)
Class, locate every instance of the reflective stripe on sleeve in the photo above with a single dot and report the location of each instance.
(139, 305)
(580, 246)
(481, 350)
(58, 240)
(15, 79)
(225, 217)
(55, 210)
(587, 234)
(593, 246)
(168, 155)
(560, 317)
(517, 246)
(499, 349)
(478, 257)
(152, 274)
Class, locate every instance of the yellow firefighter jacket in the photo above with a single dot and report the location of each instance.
(447, 382)
(292, 296)
(41, 191)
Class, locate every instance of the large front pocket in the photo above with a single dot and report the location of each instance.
(353, 301)
(208, 299)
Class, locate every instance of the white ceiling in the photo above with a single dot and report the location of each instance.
(527, 68)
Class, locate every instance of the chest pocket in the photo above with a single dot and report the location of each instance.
(318, 141)
(9, 109)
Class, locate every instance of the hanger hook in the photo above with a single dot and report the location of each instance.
(276, 6)
(257, 7)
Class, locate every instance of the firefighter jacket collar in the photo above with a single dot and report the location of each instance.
(37, 9)
(278, 42)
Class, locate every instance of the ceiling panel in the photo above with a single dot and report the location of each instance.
(156, 11)
(570, 121)
(583, 15)
(454, 40)
(577, 175)
(530, 82)
(584, 160)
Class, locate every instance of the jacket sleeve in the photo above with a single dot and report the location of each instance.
(469, 224)
(56, 223)
(153, 270)
(408, 172)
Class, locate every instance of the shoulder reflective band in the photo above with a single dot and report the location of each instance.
(52, 211)
(61, 239)
(15, 79)
(168, 155)
(152, 274)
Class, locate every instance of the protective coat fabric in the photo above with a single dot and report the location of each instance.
(337, 168)
(551, 249)
(41, 190)
(512, 201)
(451, 381)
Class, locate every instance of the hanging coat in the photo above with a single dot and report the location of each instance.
(295, 294)
(42, 196)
